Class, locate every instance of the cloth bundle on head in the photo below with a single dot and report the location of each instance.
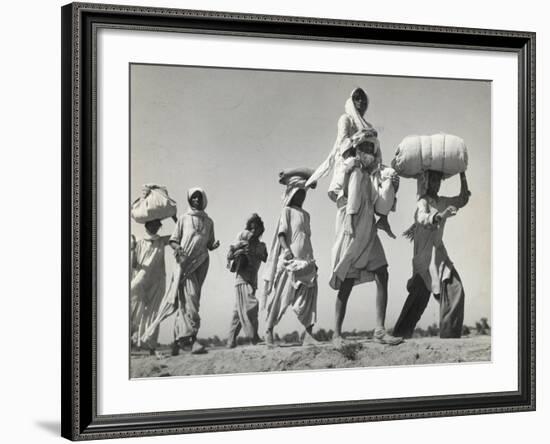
(439, 152)
(155, 203)
(293, 173)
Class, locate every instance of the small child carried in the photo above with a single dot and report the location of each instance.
(237, 254)
(363, 151)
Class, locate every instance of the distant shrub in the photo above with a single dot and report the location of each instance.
(433, 330)
(291, 338)
(350, 350)
(483, 327)
(321, 335)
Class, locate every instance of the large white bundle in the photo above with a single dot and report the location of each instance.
(441, 152)
(154, 204)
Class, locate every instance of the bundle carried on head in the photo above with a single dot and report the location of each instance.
(153, 204)
(440, 152)
(302, 173)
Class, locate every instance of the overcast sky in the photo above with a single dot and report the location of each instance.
(230, 131)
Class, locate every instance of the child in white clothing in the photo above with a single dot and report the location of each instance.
(362, 151)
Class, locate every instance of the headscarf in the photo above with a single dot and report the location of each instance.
(294, 184)
(204, 200)
(352, 111)
(361, 124)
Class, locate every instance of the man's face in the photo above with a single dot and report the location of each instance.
(196, 201)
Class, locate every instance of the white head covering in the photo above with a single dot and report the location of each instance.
(294, 184)
(352, 111)
(361, 124)
(200, 190)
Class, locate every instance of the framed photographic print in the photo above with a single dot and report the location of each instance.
(278, 221)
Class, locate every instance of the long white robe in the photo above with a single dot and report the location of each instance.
(147, 286)
(359, 256)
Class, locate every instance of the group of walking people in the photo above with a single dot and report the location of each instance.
(359, 188)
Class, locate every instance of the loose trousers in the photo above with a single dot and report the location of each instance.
(451, 309)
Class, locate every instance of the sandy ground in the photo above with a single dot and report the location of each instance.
(360, 353)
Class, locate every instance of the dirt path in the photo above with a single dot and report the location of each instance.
(363, 353)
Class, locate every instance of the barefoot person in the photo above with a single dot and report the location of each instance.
(193, 237)
(433, 271)
(291, 272)
(357, 254)
(245, 256)
(148, 283)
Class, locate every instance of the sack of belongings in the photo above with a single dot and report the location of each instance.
(286, 175)
(440, 152)
(153, 204)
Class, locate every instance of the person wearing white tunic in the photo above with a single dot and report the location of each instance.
(148, 284)
(291, 272)
(357, 255)
(433, 271)
(191, 241)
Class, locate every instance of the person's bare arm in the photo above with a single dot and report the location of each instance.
(463, 197)
(263, 254)
(212, 243)
(284, 245)
(425, 214)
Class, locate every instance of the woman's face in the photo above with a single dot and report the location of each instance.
(360, 101)
(196, 200)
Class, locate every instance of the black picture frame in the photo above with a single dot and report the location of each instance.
(79, 209)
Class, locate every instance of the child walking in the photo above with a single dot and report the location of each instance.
(245, 257)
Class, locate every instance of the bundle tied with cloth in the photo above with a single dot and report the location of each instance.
(154, 203)
(439, 152)
(416, 155)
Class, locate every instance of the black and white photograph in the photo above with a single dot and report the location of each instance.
(298, 221)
